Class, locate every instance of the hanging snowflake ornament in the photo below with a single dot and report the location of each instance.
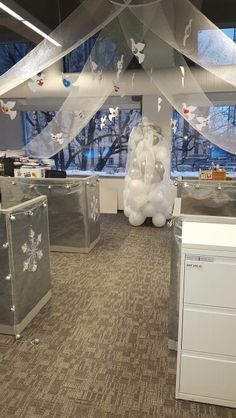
(93, 67)
(103, 121)
(94, 212)
(187, 32)
(36, 81)
(7, 109)
(159, 101)
(113, 113)
(188, 111)
(137, 49)
(116, 87)
(96, 71)
(151, 75)
(182, 69)
(79, 114)
(32, 251)
(57, 138)
(132, 80)
(119, 88)
(173, 125)
(120, 67)
(202, 122)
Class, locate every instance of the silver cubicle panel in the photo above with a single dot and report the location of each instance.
(25, 266)
(73, 206)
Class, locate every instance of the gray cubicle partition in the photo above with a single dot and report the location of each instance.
(25, 268)
(198, 198)
(73, 207)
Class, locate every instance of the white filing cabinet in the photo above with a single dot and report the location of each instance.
(206, 363)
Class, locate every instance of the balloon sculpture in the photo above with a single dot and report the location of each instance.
(148, 190)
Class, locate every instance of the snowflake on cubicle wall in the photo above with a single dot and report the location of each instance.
(32, 250)
(94, 211)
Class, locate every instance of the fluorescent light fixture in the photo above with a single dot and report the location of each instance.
(40, 32)
(10, 12)
(30, 25)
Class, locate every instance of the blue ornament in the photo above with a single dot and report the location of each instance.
(66, 82)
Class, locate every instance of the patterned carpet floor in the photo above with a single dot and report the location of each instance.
(102, 349)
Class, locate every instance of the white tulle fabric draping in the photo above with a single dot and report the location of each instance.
(78, 108)
(86, 20)
(166, 27)
(170, 74)
(180, 24)
(148, 191)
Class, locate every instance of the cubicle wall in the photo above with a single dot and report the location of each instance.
(211, 198)
(73, 205)
(25, 267)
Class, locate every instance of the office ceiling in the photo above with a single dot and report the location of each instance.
(49, 13)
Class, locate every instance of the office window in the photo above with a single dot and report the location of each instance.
(11, 53)
(95, 148)
(191, 151)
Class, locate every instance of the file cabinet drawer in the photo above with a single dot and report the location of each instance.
(210, 283)
(208, 377)
(209, 331)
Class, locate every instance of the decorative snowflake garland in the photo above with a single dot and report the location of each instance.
(32, 250)
(94, 212)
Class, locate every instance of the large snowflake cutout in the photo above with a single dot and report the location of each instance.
(32, 250)
(94, 212)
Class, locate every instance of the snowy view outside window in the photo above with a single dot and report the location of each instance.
(207, 39)
(11, 53)
(99, 147)
(95, 148)
(190, 150)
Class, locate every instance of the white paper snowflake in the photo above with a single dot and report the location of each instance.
(32, 250)
(94, 213)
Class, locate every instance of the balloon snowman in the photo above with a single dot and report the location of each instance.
(148, 190)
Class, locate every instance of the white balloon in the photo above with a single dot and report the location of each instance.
(156, 197)
(127, 211)
(136, 218)
(149, 210)
(135, 174)
(138, 200)
(162, 153)
(126, 193)
(137, 186)
(135, 163)
(159, 220)
(127, 179)
(164, 204)
(168, 212)
(168, 215)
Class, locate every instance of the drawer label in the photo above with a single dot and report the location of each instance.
(194, 265)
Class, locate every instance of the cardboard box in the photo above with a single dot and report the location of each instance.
(212, 175)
